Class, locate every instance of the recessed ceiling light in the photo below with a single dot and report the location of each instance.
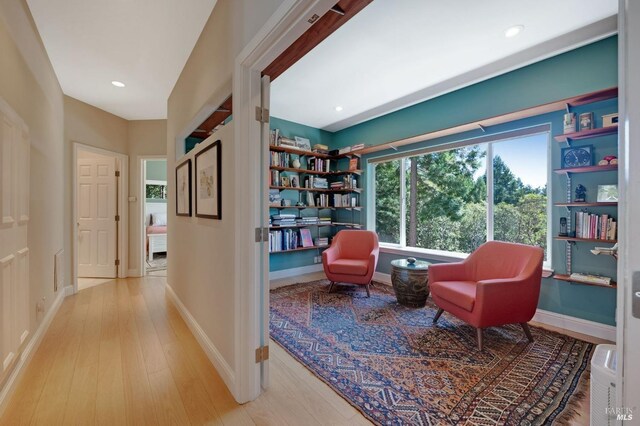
(117, 83)
(513, 31)
(339, 108)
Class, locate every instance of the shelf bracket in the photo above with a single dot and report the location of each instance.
(484, 129)
(567, 107)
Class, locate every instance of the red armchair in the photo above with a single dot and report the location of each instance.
(352, 258)
(497, 284)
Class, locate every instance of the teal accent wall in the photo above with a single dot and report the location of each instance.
(587, 69)
(289, 129)
(157, 170)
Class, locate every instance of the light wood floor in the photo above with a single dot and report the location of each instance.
(119, 353)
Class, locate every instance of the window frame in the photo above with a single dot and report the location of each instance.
(489, 139)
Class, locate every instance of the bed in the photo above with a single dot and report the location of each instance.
(156, 234)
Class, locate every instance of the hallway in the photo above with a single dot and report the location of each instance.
(118, 353)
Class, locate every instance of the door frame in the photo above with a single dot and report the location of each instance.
(288, 23)
(122, 187)
(142, 208)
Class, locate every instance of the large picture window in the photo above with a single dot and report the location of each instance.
(453, 200)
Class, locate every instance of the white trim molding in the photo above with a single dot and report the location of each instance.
(577, 325)
(214, 355)
(31, 348)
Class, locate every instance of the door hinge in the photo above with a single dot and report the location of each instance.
(262, 354)
(117, 262)
(117, 218)
(262, 235)
(117, 173)
(262, 114)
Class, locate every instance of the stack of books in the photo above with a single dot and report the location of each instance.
(283, 219)
(593, 226)
(588, 278)
(337, 185)
(611, 251)
(321, 241)
(320, 148)
(274, 197)
(307, 220)
(324, 221)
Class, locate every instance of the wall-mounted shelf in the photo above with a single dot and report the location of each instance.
(587, 169)
(567, 278)
(319, 225)
(586, 240)
(299, 249)
(587, 134)
(291, 188)
(599, 204)
(300, 152)
(314, 207)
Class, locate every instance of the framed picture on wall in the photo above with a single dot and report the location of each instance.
(183, 189)
(208, 187)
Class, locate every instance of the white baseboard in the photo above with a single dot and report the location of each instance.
(577, 325)
(31, 348)
(134, 273)
(286, 273)
(381, 277)
(207, 345)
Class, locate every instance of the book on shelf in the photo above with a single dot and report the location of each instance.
(321, 148)
(287, 142)
(344, 150)
(593, 226)
(274, 137)
(353, 164)
(305, 236)
(282, 240)
(357, 146)
(589, 278)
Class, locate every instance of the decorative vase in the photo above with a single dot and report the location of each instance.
(295, 163)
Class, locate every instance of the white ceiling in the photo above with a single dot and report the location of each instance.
(143, 43)
(397, 53)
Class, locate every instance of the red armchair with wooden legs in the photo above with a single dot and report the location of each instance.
(352, 258)
(497, 284)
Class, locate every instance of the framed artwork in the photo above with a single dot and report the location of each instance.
(209, 182)
(183, 189)
(607, 193)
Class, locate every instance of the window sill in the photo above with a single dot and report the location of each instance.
(439, 255)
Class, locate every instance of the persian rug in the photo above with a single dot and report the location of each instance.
(396, 367)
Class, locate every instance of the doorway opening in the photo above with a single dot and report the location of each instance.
(99, 216)
(153, 203)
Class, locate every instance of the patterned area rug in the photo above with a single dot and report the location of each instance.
(159, 262)
(396, 367)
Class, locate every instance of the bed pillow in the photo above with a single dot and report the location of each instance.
(159, 219)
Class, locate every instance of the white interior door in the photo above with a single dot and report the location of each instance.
(264, 302)
(97, 210)
(628, 315)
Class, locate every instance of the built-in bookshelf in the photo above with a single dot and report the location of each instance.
(312, 192)
(587, 222)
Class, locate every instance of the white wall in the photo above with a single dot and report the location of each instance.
(29, 85)
(92, 126)
(200, 267)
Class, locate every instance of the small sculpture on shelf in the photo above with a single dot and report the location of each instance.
(563, 227)
(581, 194)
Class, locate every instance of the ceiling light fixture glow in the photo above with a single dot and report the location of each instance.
(513, 31)
(339, 108)
(117, 83)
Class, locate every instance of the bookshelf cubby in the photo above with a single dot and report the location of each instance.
(335, 206)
